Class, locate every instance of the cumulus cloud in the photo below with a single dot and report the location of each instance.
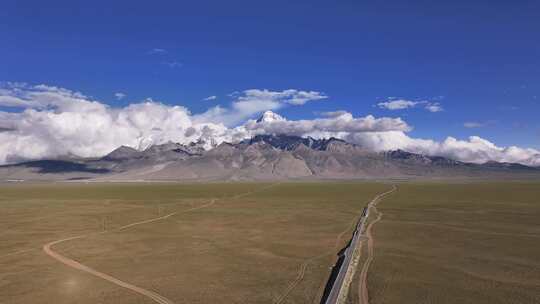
(383, 134)
(342, 123)
(475, 149)
(401, 104)
(57, 122)
(213, 97)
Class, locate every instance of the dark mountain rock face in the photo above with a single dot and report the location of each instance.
(290, 143)
(414, 158)
(262, 157)
(122, 153)
(156, 153)
(283, 142)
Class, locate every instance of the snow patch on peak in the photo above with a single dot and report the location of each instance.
(270, 116)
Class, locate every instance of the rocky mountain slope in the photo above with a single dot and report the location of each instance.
(264, 157)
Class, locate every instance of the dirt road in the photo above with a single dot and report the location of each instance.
(362, 288)
(48, 249)
(74, 264)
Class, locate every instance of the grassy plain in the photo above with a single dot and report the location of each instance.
(457, 243)
(248, 243)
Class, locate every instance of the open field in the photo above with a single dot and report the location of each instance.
(209, 243)
(456, 243)
(268, 243)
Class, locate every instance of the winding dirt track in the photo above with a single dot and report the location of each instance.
(17, 252)
(363, 290)
(47, 248)
(74, 264)
(298, 279)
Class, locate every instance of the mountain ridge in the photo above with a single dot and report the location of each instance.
(262, 157)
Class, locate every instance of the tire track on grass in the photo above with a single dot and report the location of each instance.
(17, 252)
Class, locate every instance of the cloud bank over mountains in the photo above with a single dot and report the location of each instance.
(47, 122)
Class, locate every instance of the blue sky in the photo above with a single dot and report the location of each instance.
(478, 59)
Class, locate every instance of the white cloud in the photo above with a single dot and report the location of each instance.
(472, 124)
(157, 51)
(336, 125)
(475, 149)
(57, 122)
(398, 104)
(401, 104)
(238, 111)
(290, 96)
(42, 97)
(213, 97)
(173, 64)
(332, 114)
(382, 134)
(254, 101)
(120, 95)
(434, 107)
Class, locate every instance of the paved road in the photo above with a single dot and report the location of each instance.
(337, 287)
(348, 255)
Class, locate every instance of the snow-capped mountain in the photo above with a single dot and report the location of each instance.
(262, 157)
(270, 116)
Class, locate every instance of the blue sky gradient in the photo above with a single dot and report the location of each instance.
(479, 59)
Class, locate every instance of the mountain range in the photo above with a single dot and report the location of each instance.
(263, 157)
